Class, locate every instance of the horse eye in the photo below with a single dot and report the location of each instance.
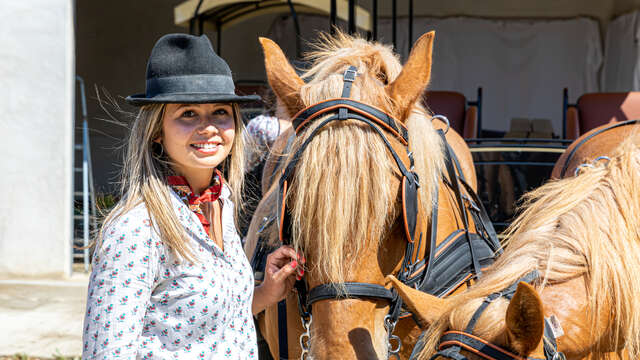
(382, 77)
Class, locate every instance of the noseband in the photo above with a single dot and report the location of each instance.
(452, 342)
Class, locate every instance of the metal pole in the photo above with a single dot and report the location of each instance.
(219, 34)
(332, 17)
(296, 26)
(200, 25)
(394, 18)
(410, 24)
(352, 17)
(565, 104)
(375, 19)
(479, 111)
(194, 18)
(85, 177)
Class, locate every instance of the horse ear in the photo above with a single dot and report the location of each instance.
(282, 77)
(414, 77)
(427, 308)
(525, 320)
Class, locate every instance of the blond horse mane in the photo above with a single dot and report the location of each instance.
(581, 226)
(341, 187)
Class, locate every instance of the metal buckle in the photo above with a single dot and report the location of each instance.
(493, 297)
(443, 119)
(350, 74)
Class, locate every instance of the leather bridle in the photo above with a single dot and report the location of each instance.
(436, 269)
(414, 225)
(452, 342)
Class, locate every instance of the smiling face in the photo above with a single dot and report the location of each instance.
(197, 137)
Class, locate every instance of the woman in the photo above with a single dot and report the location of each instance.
(170, 279)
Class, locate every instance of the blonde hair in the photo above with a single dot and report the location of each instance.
(580, 226)
(144, 178)
(338, 201)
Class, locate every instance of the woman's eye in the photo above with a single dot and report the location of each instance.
(221, 112)
(188, 114)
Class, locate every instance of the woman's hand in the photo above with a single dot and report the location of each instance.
(283, 267)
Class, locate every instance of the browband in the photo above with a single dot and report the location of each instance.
(303, 118)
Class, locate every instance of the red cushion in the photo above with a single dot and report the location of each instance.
(601, 108)
(448, 103)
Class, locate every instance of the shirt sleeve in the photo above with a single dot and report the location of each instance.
(120, 286)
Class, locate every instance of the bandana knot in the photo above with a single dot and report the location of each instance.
(181, 187)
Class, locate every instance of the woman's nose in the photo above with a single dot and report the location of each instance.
(208, 127)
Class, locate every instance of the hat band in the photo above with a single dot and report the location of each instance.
(190, 84)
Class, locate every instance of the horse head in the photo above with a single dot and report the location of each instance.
(344, 197)
(565, 283)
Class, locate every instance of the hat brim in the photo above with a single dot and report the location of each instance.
(141, 99)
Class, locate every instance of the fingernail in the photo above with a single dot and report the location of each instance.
(294, 264)
(298, 277)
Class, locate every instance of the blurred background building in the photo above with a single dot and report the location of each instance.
(521, 53)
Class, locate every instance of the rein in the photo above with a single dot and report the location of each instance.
(452, 342)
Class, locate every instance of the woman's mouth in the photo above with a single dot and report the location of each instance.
(206, 148)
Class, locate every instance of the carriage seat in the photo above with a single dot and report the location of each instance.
(462, 118)
(595, 109)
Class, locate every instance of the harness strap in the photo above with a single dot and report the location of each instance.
(456, 339)
(463, 213)
(451, 265)
(304, 117)
(283, 342)
(351, 290)
(506, 293)
(484, 220)
(348, 77)
(550, 345)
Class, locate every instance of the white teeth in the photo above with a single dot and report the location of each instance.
(205, 146)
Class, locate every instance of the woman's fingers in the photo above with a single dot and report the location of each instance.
(284, 272)
(283, 256)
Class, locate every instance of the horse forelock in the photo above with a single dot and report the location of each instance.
(341, 192)
(581, 226)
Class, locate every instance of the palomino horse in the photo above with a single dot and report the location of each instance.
(346, 198)
(577, 243)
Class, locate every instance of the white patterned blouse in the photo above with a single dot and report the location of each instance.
(142, 304)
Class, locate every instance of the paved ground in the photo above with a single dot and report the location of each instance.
(42, 318)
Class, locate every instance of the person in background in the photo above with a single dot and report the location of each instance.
(170, 279)
(261, 133)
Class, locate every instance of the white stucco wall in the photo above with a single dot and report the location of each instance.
(36, 102)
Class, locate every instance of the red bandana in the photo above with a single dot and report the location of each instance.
(180, 185)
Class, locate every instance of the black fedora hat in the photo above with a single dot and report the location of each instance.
(184, 68)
